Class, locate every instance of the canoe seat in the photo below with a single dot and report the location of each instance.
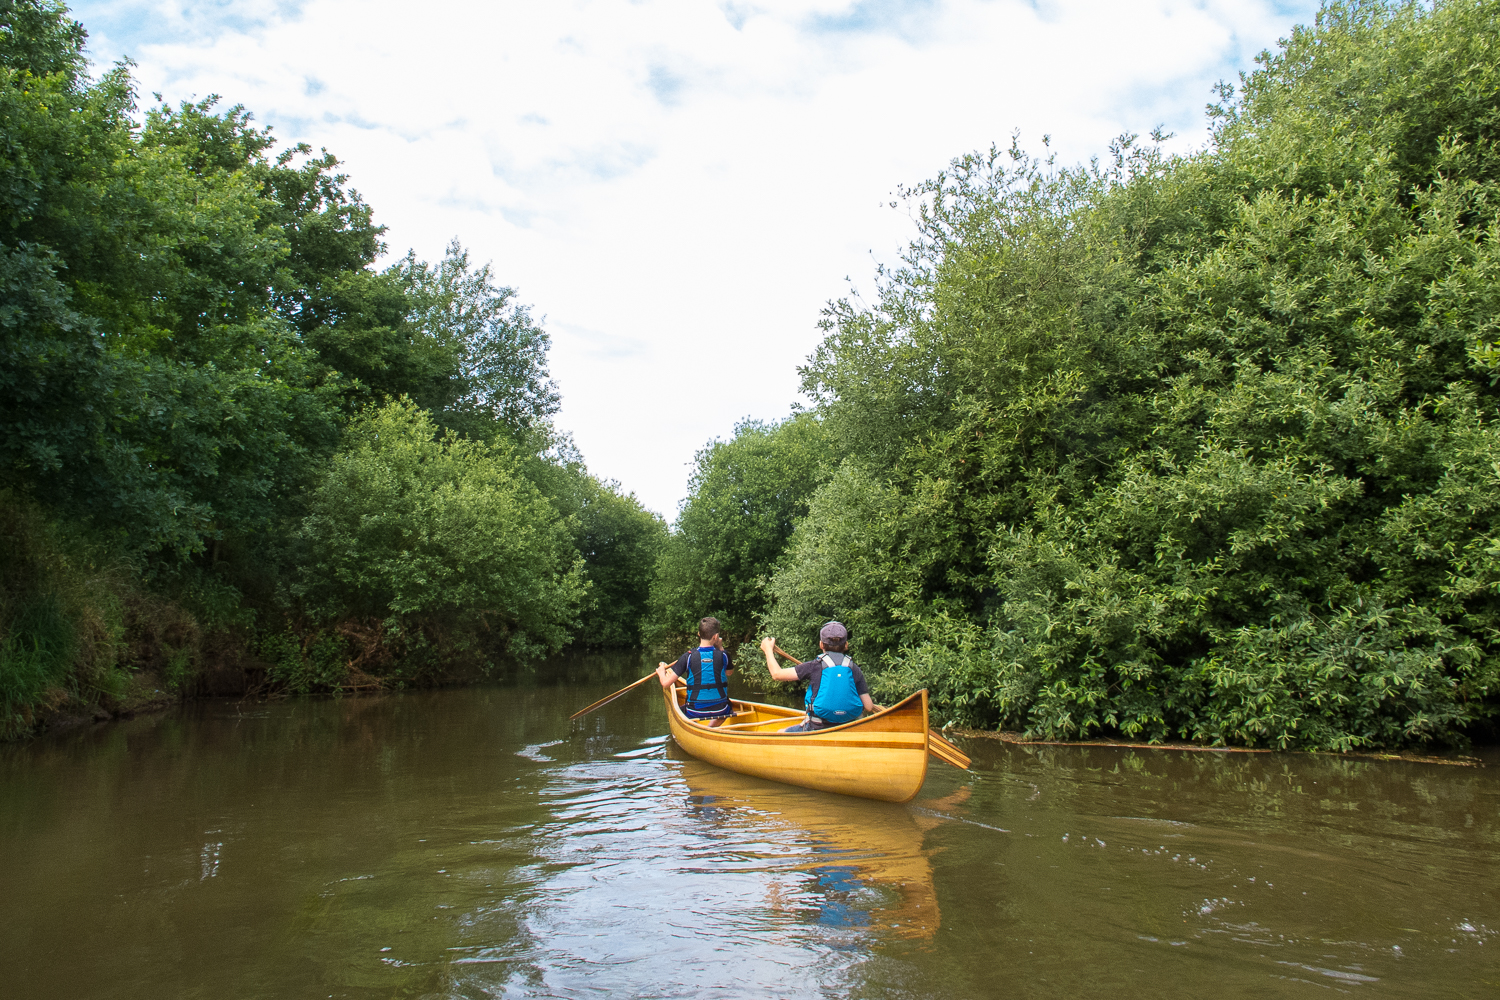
(705, 723)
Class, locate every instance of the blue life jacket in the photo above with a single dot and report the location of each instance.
(838, 700)
(707, 678)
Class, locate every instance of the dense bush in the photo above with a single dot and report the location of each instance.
(621, 543)
(745, 496)
(441, 538)
(1198, 447)
(189, 322)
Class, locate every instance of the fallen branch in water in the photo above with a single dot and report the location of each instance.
(1020, 740)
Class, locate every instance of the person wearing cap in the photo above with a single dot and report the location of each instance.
(836, 688)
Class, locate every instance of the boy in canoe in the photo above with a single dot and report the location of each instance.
(836, 688)
(706, 670)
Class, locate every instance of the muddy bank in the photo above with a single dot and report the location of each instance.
(143, 692)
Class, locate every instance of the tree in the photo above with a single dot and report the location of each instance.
(499, 353)
(745, 498)
(621, 544)
(439, 541)
(1193, 447)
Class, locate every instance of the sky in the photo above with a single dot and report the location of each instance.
(678, 187)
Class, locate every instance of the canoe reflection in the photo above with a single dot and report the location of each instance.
(842, 862)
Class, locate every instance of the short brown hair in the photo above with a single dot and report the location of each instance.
(708, 628)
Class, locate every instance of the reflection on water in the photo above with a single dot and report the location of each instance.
(831, 861)
(476, 844)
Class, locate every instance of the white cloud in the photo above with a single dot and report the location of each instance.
(679, 185)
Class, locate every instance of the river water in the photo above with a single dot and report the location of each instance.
(474, 843)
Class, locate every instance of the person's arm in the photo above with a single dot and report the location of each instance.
(864, 690)
(768, 646)
(667, 674)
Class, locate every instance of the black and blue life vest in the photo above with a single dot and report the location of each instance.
(838, 700)
(707, 678)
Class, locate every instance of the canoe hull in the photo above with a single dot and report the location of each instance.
(883, 756)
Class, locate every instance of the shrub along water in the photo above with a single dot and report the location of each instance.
(1193, 447)
(63, 619)
(301, 470)
(439, 544)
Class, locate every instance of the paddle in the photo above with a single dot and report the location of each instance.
(947, 752)
(609, 698)
(783, 653)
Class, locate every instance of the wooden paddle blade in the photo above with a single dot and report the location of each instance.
(937, 754)
(947, 752)
(611, 697)
(959, 758)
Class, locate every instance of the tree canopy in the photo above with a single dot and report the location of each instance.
(746, 496)
(1191, 447)
(199, 356)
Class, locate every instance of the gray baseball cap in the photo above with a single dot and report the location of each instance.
(833, 630)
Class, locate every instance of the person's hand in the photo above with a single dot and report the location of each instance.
(768, 644)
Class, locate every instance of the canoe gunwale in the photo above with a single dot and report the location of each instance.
(792, 715)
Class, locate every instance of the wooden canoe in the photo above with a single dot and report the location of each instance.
(881, 756)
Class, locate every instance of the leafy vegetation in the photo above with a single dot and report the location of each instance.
(746, 496)
(433, 537)
(1193, 447)
(272, 444)
(1198, 446)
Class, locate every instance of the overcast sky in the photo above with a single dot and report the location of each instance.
(678, 186)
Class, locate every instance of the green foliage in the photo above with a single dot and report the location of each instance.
(145, 385)
(621, 543)
(37, 36)
(1192, 448)
(844, 562)
(188, 321)
(60, 624)
(34, 657)
(441, 538)
(499, 355)
(745, 497)
(302, 665)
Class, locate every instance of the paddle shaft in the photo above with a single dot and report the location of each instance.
(609, 698)
(947, 754)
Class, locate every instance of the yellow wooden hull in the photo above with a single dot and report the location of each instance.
(882, 756)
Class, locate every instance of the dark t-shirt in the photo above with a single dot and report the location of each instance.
(812, 672)
(680, 668)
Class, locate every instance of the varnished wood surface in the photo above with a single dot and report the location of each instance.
(883, 756)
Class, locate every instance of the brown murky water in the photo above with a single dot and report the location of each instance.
(474, 843)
